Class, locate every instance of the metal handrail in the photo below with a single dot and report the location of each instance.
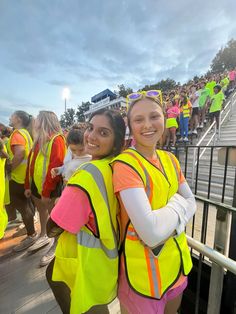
(229, 104)
(215, 203)
(213, 255)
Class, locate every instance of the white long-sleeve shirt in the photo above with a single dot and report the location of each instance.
(156, 226)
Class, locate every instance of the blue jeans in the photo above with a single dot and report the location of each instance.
(183, 122)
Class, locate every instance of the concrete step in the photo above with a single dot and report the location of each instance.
(228, 137)
(215, 178)
(216, 197)
(214, 187)
(205, 168)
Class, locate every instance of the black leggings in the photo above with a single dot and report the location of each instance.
(19, 201)
(62, 294)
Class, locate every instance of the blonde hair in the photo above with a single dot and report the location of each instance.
(133, 102)
(49, 125)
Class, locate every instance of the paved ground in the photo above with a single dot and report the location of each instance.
(23, 287)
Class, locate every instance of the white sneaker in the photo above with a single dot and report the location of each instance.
(181, 139)
(41, 242)
(185, 139)
(26, 243)
(201, 126)
(46, 259)
(195, 131)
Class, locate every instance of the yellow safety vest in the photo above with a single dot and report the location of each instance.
(87, 262)
(3, 214)
(149, 274)
(18, 174)
(186, 111)
(41, 164)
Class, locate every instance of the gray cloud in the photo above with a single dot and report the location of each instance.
(136, 43)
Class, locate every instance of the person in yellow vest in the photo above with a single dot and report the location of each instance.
(5, 133)
(84, 274)
(18, 148)
(185, 114)
(3, 215)
(48, 152)
(156, 205)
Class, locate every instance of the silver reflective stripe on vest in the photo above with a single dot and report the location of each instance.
(132, 233)
(26, 133)
(90, 241)
(175, 166)
(148, 185)
(154, 276)
(98, 178)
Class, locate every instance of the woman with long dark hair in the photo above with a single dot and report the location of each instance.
(84, 274)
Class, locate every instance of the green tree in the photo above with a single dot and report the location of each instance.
(123, 91)
(81, 110)
(68, 118)
(225, 58)
(163, 85)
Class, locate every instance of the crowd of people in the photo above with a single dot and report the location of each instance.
(112, 211)
(188, 108)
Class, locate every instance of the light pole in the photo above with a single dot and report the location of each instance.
(65, 95)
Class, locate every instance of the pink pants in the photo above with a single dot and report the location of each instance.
(136, 304)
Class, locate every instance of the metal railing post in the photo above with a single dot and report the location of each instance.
(219, 131)
(193, 167)
(217, 272)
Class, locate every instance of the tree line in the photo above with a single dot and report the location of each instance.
(224, 60)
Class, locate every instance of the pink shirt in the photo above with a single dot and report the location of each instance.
(73, 211)
(172, 112)
(232, 75)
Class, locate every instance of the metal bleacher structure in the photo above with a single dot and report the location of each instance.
(209, 165)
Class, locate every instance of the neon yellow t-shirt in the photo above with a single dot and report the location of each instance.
(211, 86)
(224, 82)
(204, 93)
(217, 101)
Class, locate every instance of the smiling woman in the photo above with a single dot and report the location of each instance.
(86, 217)
(156, 203)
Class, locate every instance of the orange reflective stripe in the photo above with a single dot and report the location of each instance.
(131, 228)
(132, 235)
(153, 274)
(149, 272)
(158, 275)
(149, 183)
(132, 238)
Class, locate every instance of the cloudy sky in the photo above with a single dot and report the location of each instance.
(97, 44)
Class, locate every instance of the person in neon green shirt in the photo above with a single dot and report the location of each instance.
(224, 83)
(203, 101)
(216, 105)
(211, 85)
